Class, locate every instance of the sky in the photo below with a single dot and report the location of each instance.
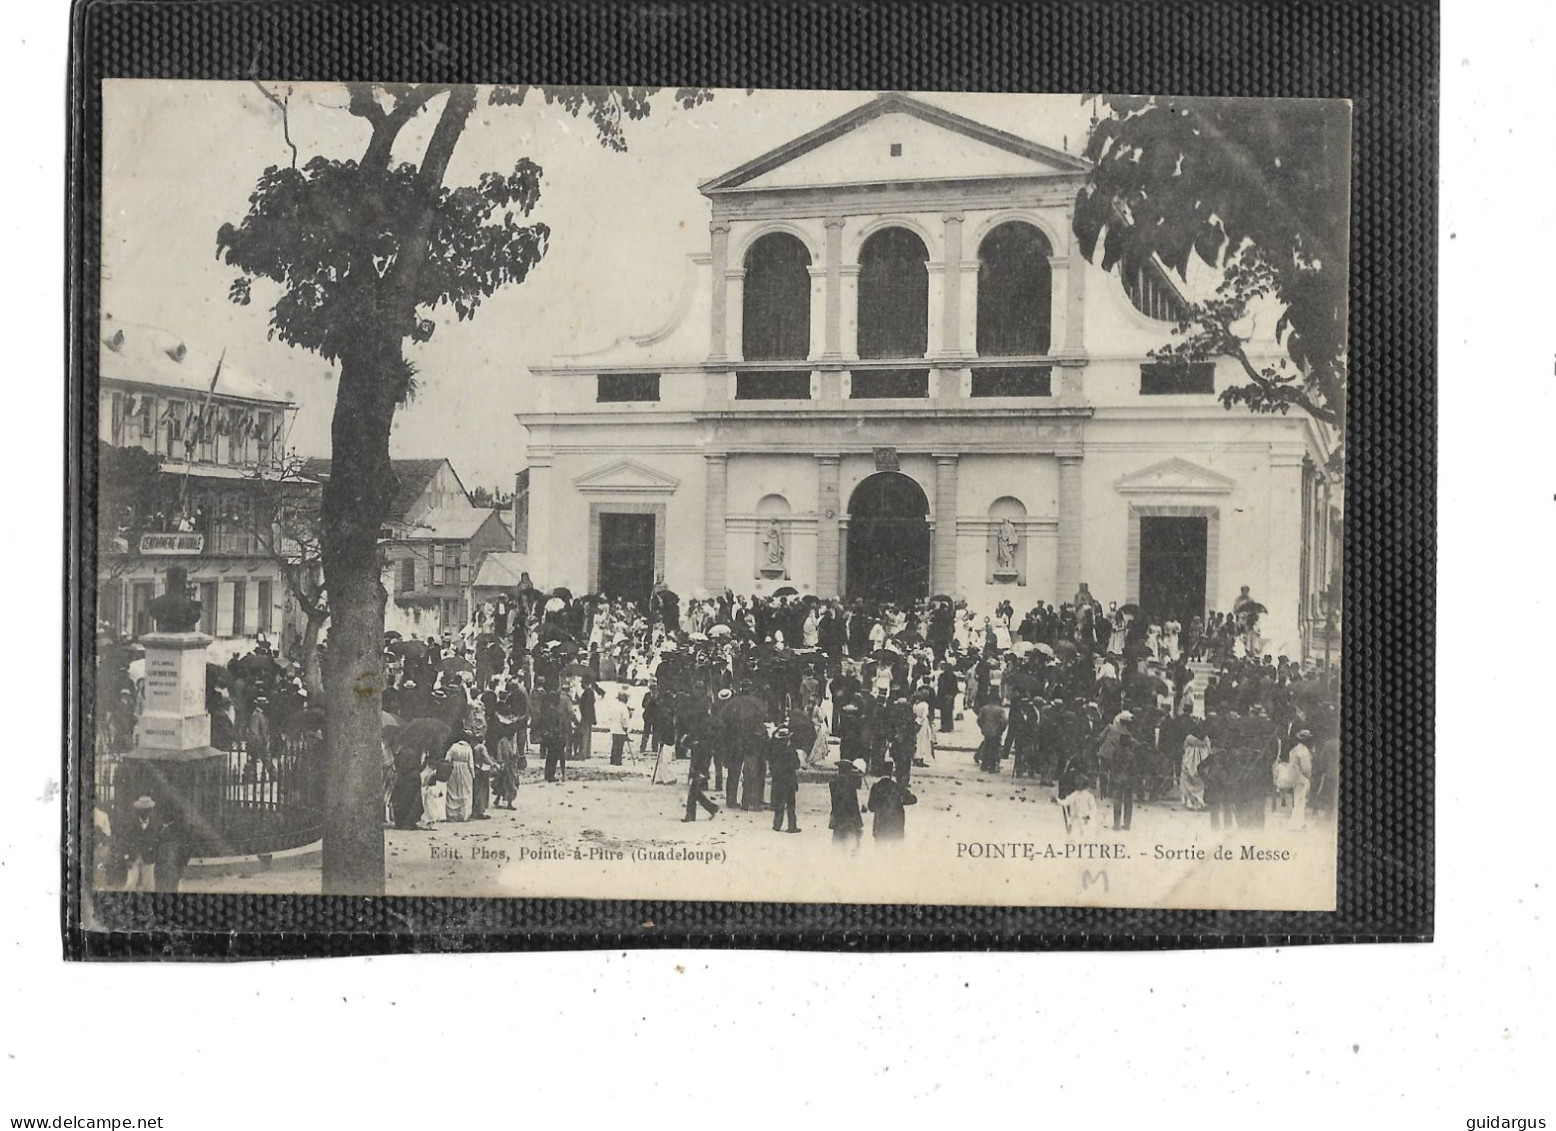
(181, 158)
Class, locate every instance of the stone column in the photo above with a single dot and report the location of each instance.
(1071, 522)
(715, 538)
(828, 508)
(934, 341)
(1282, 555)
(735, 312)
(968, 309)
(850, 339)
(943, 556)
(818, 313)
(833, 341)
(1058, 303)
(718, 334)
(1075, 304)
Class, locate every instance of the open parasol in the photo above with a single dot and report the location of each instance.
(563, 592)
(424, 734)
(719, 632)
(1130, 610)
(555, 633)
(555, 605)
(457, 664)
(786, 591)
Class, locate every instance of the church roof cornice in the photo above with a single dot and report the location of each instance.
(890, 103)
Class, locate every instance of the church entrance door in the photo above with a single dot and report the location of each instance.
(1173, 557)
(627, 556)
(888, 539)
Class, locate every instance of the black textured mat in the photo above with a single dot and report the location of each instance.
(1383, 56)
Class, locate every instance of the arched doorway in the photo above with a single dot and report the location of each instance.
(888, 539)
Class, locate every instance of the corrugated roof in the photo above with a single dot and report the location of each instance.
(147, 355)
(501, 569)
(413, 476)
(446, 524)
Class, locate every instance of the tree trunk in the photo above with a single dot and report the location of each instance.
(354, 505)
(313, 675)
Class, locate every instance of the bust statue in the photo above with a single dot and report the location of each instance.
(174, 611)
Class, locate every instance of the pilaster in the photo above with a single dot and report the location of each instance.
(828, 531)
(717, 332)
(1071, 523)
(714, 538)
(833, 341)
(943, 551)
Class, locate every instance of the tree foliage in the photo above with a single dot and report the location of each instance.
(1258, 189)
(301, 232)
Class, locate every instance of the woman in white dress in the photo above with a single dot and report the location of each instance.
(433, 794)
(1170, 635)
(461, 781)
(1191, 784)
(811, 633)
(821, 750)
(923, 734)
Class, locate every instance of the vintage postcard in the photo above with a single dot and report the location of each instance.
(828, 497)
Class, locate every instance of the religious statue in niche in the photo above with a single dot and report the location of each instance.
(1007, 541)
(773, 551)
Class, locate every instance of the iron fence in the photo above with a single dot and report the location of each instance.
(240, 802)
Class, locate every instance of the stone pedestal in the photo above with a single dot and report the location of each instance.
(174, 716)
(173, 762)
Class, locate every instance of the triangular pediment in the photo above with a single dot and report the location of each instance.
(896, 138)
(1175, 477)
(626, 476)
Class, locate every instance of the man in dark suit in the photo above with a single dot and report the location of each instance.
(745, 733)
(784, 763)
(946, 690)
(705, 734)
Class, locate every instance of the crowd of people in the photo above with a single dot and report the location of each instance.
(748, 695)
(749, 691)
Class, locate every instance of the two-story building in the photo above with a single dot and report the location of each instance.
(893, 373)
(219, 437)
(432, 546)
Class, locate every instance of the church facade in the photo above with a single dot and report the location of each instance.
(891, 373)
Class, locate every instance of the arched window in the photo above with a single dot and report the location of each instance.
(1015, 292)
(776, 309)
(893, 295)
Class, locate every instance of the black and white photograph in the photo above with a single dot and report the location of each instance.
(700, 494)
(917, 566)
